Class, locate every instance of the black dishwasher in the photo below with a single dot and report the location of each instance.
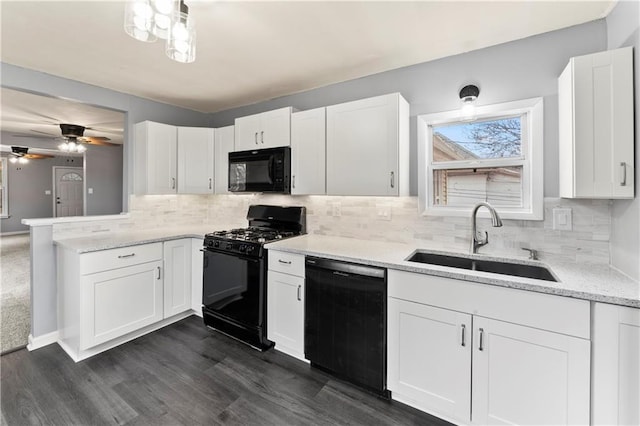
(345, 321)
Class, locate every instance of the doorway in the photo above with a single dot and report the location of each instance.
(68, 191)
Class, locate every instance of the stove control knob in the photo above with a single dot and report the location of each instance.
(229, 246)
(209, 243)
(250, 249)
(215, 243)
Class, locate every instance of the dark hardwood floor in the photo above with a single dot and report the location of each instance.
(185, 374)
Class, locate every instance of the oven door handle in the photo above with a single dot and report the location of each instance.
(236, 255)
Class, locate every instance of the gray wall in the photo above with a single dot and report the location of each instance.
(623, 29)
(517, 70)
(103, 165)
(27, 184)
(136, 109)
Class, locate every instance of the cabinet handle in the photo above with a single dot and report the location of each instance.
(262, 136)
(123, 256)
(464, 332)
(284, 261)
(392, 180)
(481, 344)
(173, 183)
(210, 182)
(299, 288)
(623, 177)
(293, 181)
(158, 272)
(255, 138)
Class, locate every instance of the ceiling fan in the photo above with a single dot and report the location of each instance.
(73, 139)
(21, 155)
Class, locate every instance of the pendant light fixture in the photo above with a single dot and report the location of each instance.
(468, 95)
(148, 20)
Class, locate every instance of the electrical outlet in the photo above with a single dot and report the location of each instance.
(562, 219)
(336, 209)
(47, 192)
(383, 212)
(90, 190)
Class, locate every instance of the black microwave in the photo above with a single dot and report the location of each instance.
(260, 170)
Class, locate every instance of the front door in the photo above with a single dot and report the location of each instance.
(69, 192)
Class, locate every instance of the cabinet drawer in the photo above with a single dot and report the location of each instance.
(288, 263)
(119, 258)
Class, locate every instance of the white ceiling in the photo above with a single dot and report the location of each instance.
(251, 51)
(36, 116)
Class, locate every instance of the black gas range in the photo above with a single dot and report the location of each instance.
(235, 272)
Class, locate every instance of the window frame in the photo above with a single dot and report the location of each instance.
(4, 210)
(532, 179)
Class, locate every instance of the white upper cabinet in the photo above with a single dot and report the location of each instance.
(368, 147)
(308, 152)
(155, 158)
(195, 160)
(223, 146)
(265, 130)
(595, 100)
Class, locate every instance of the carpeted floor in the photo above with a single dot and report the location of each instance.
(15, 316)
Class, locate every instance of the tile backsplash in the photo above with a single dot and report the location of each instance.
(394, 219)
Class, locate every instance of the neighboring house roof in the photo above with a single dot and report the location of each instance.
(444, 149)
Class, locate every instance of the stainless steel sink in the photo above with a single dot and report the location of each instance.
(484, 265)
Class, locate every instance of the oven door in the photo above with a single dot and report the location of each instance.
(233, 287)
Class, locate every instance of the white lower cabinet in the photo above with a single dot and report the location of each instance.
(177, 276)
(522, 375)
(616, 365)
(119, 301)
(285, 303)
(108, 297)
(474, 354)
(430, 357)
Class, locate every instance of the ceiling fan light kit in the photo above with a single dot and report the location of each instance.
(148, 20)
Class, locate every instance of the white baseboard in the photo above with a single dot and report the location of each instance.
(42, 341)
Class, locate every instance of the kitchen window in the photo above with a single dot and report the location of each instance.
(4, 207)
(496, 157)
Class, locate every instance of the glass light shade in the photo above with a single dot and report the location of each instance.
(23, 160)
(163, 11)
(468, 110)
(138, 20)
(13, 160)
(81, 148)
(181, 44)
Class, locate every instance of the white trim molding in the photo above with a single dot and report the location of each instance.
(42, 341)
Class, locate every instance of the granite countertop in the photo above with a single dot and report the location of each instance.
(598, 283)
(110, 240)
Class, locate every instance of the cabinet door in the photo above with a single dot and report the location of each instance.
(596, 126)
(285, 313)
(308, 152)
(161, 153)
(429, 358)
(223, 146)
(247, 133)
(616, 365)
(523, 375)
(119, 301)
(275, 128)
(195, 160)
(362, 147)
(177, 278)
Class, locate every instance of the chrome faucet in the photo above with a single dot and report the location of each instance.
(478, 241)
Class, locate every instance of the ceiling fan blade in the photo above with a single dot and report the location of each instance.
(99, 141)
(33, 136)
(38, 156)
